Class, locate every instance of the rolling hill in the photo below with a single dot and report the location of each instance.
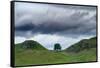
(31, 52)
(82, 45)
(29, 44)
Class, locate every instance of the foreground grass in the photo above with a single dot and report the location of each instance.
(35, 57)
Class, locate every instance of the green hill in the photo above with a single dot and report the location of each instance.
(30, 44)
(31, 52)
(82, 45)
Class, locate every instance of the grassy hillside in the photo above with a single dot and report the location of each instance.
(25, 45)
(82, 45)
(34, 57)
(40, 55)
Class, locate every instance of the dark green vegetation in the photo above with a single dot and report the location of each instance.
(30, 44)
(57, 47)
(82, 45)
(32, 53)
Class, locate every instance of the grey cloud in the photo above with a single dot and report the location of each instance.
(53, 19)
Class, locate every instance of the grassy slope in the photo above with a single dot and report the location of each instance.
(36, 45)
(40, 55)
(83, 44)
(34, 57)
(83, 56)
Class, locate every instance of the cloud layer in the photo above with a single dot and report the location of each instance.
(32, 19)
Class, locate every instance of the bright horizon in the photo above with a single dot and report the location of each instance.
(51, 46)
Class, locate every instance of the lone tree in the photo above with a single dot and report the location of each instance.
(57, 47)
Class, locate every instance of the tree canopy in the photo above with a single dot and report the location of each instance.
(57, 47)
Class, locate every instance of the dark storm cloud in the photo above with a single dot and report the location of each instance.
(25, 27)
(32, 19)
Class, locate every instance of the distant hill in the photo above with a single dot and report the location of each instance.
(30, 44)
(82, 45)
(31, 52)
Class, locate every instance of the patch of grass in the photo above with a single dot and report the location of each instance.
(35, 57)
(82, 45)
(83, 56)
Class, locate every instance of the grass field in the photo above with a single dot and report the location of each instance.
(79, 52)
(35, 57)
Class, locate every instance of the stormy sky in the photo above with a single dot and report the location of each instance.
(49, 23)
